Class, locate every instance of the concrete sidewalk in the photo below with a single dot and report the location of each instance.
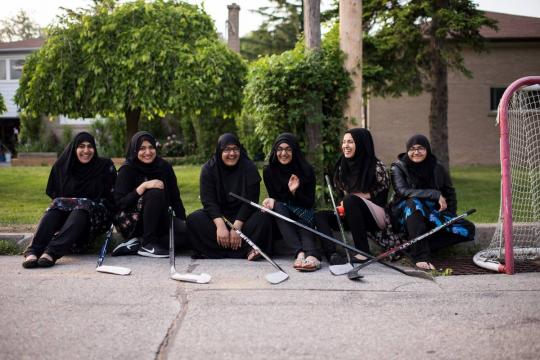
(72, 312)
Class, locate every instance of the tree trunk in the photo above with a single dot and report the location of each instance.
(312, 33)
(438, 116)
(132, 123)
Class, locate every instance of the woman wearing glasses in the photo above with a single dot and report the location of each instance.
(228, 170)
(290, 181)
(81, 188)
(425, 198)
(362, 180)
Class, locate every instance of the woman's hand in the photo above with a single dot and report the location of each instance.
(294, 183)
(150, 184)
(268, 203)
(442, 203)
(235, 239)
(222, 233)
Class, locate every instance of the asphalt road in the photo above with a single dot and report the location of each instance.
(71, 311)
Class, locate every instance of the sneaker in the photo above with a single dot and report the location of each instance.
(129, 247)
(153, 250)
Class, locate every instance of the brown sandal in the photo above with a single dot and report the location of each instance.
(298, 263)
(311, 263)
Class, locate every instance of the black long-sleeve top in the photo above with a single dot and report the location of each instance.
(304, 196)
(129, 179)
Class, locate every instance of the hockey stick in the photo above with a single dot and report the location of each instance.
(415, 273)
(273, 278)
(354, 273)
(193, 278)
(341, 269)
(117, 270)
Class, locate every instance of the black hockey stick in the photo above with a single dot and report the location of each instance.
(354, 273)
(273, 278)
(117, 270)
(415, 273)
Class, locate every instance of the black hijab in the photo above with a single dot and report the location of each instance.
(237, 178)
(71, 178)
(280, 174)
(156, 169)
(423, 172)
(357, 174)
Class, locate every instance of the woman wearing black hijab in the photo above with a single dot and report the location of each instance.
(228, 170)
(364, 182)
(425, 198)
(81, 187)
(290, 181)
(145, 188)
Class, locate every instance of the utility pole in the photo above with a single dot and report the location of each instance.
(233, 37)
(350, 42)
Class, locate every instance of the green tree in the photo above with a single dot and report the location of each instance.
(279, 32)
(409, 47)
(19, 27)
(133, 59)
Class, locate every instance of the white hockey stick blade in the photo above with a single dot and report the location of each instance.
(276, 277)
(117, 270)
(192, 278)
(341, 269)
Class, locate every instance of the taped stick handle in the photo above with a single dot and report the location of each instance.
(103, 250)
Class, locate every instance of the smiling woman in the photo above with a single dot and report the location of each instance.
(81, 185)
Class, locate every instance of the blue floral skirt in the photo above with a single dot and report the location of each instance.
(428, 209)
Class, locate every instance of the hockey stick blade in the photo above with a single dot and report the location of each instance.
(276, 277)
(116, 270)
(341, 269)
(192, 278)
(355, 274)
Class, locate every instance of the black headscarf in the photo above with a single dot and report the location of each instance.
(237, 178)
(154, 170)
(71, 178)
(357, 174)
(282, 173)
(422, 172)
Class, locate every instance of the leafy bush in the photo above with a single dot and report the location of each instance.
(281, 89)
(110, 135)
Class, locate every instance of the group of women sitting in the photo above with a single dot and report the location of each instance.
(88, 195)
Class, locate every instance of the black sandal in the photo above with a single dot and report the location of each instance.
(30, 263)
(44, 262)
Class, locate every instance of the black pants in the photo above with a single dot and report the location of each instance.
(296, 237)
(358, 220)
(417, 224)
(58, 231)
(155, 222)
(202, 235)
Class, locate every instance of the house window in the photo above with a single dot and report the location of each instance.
(16, 66)
(496, 94)
(2, 69)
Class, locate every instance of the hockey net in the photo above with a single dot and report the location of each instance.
(517, 236)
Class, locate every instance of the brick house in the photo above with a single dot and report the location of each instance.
(514, 52)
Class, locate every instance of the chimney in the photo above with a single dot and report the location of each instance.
(233, 38)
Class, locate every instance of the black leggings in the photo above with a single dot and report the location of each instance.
(358, 219)
(58, 231)
(300, 239)
(417, 224)
(154, 225)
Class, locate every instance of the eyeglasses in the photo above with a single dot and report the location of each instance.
(288, 150)
(419, 149)
(229, 150)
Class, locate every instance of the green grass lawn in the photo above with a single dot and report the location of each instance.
(23, 199)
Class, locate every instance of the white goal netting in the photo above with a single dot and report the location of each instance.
(523, 119)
